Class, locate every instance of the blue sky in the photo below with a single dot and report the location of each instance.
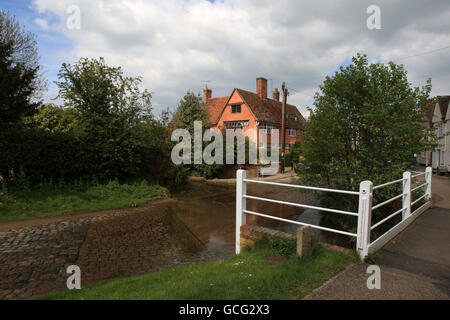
(50, 43)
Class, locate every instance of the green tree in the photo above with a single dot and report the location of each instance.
(23, 48)
(54, 118)
(190, 109)
(121, 138)
(102, 94)
(17, 87)
(366, 125)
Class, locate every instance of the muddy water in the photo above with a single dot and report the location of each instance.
(208, 212)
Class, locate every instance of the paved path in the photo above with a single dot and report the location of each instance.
(414, 265)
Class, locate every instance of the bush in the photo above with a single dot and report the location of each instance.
(278, 245)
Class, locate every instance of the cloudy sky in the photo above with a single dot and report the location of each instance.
(176, 45)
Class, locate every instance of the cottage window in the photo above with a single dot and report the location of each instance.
(268, 128)
(236, 108)
(292, 132)
(236, 124)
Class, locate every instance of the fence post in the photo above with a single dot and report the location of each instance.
(428, 175)
(241, 190)
(406, 199)
(364, 217)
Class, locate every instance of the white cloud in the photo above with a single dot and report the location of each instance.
(175, 44)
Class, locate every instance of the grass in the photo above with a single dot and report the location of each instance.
(248, 275)
(53, 200)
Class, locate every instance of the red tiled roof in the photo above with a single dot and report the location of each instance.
(265, 110)
(443, 102)
(269, 110)
(215, 107)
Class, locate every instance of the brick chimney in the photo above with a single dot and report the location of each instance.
(276, 95)
(261, 87)
(207, 94)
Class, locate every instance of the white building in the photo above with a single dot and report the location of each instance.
(440, 158)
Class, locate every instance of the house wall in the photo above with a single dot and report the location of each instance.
(246, 114)
(443, 148)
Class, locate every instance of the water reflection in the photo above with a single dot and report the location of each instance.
(208, 211)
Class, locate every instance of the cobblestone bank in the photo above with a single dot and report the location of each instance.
(126, 245)
(33, 260)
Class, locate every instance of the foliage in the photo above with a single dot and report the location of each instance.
(106, 131)
(53, 118)
(120, 137)
(20, 201)
(17, 87)
(248, 275)
(36, 154)
(23, 49)
(189, 109)
(366, 125)
(278, 245)
(177, 177)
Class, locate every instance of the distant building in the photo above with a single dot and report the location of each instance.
(440, 122)
(244, 110)
(424, 158)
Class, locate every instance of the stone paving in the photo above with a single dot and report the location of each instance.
(33, 260)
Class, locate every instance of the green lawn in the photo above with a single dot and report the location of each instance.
(53, 200)
(246, 276)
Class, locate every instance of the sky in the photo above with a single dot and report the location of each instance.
(176, 45)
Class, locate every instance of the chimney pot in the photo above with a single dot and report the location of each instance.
(276, 95)
(207, 94)
(261, 87)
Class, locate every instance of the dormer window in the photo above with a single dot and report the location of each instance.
(236, 108)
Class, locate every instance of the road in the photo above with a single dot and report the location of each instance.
(414, 265)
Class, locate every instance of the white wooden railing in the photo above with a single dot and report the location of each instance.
(363, 244)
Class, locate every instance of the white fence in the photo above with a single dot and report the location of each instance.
(363, 244)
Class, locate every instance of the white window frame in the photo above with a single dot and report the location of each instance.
(268, 128)
(290, 134)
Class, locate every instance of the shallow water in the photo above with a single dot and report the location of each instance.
(208, 211)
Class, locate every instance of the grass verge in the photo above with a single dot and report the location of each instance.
(52, 200)
(249, 275)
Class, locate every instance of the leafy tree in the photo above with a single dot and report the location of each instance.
(23, 48)
(190, 109)
(17, 87)
(120, 136)
(102, 94)
(54, 118)
(366, 125)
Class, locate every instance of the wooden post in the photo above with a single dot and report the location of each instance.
(283, 126)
